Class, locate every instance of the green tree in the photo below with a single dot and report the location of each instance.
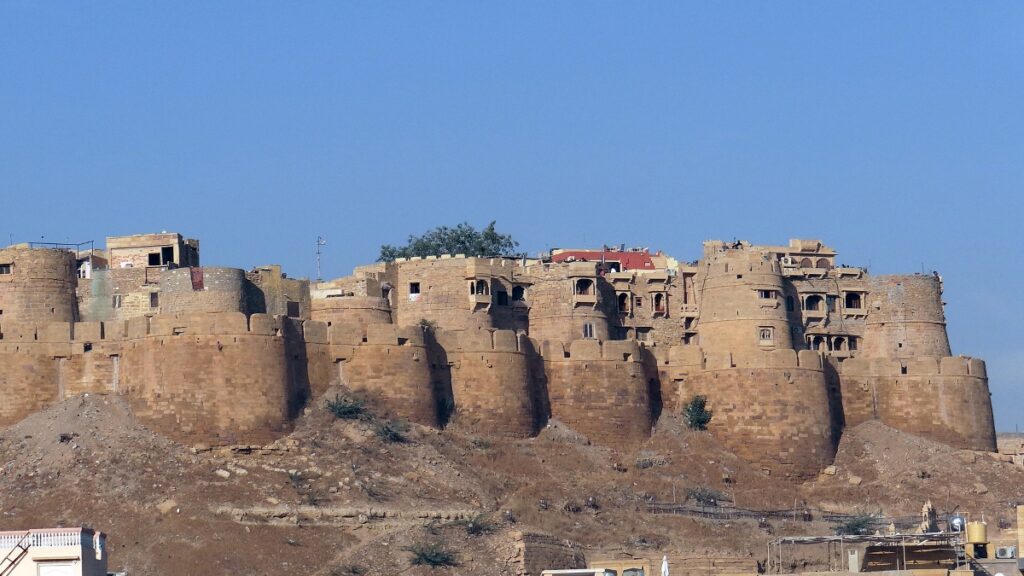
(462, 239)
(696, 413)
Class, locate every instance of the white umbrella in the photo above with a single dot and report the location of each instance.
(664, 566)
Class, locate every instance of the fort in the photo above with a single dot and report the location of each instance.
(788, 347)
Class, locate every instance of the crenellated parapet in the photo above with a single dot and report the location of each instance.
(600, 389)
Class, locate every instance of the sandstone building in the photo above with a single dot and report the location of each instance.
(788, 347)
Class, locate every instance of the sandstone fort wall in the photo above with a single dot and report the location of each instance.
(600, 389)
(392, 368)
(745, 391)
(945, 399)
(186, 290)
(491, 384)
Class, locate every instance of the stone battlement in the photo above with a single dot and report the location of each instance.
(591, 350)
(920, 366)
(694, 357)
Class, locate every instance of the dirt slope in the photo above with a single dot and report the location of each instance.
(334, 495)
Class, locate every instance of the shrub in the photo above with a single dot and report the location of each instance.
(346, 408)
(858, 525)
(696, 414)
(479, 525)
(393, 431)
(704, 496)
(434, 555)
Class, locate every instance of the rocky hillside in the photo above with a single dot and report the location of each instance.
(351, 496)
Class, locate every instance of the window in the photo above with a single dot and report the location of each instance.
(643, 334)
(482, 287)
(766, 294)
(154, 299)
(293, 309)
(766, 336)
(5, 268)
(154, 258)
(853, 343)
(853, 300)
(588, 330)
(584, 286)
(414, 287)
(806, 263)
(813, 302)
(502, 297)
(117, 300)
(659, 303)
(830, 302)
(638, 302)
(167, 255)
(518, 294)
(623, 302)
(823, 263)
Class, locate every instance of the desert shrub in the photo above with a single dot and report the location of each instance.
(696, 413)
(572, 507)
(346, 408)
(857, 525)
(479, 525)
(704, 496)
(393, 431)
(434, 555)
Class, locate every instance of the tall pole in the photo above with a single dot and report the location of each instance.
(319, 242)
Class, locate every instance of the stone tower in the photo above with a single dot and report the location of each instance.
(742, 301)
(37, 285)
(905, 317)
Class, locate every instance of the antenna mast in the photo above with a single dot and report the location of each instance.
(319, 242)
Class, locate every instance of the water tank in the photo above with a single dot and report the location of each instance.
(977, 533)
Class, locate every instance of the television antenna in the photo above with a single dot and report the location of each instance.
(319, 242)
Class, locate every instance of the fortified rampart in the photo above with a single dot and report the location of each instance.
(786, 346)
(600, 389)
(491, 383)
(744, 391)
(942, 398)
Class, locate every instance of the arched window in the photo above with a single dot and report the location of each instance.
(853, 300)
(823, 263)
(518, 294)
(813, 302)
(623, 300)
(839, 344)
(817, 343)
(584, 286)
(482, 287)
(806, 263)
(659, 302)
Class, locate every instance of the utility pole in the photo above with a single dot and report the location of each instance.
(319, 242)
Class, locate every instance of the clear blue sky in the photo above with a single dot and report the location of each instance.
(894, 131)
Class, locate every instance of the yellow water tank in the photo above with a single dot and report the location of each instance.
(977, 533)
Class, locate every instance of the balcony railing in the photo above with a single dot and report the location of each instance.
(53, 538)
